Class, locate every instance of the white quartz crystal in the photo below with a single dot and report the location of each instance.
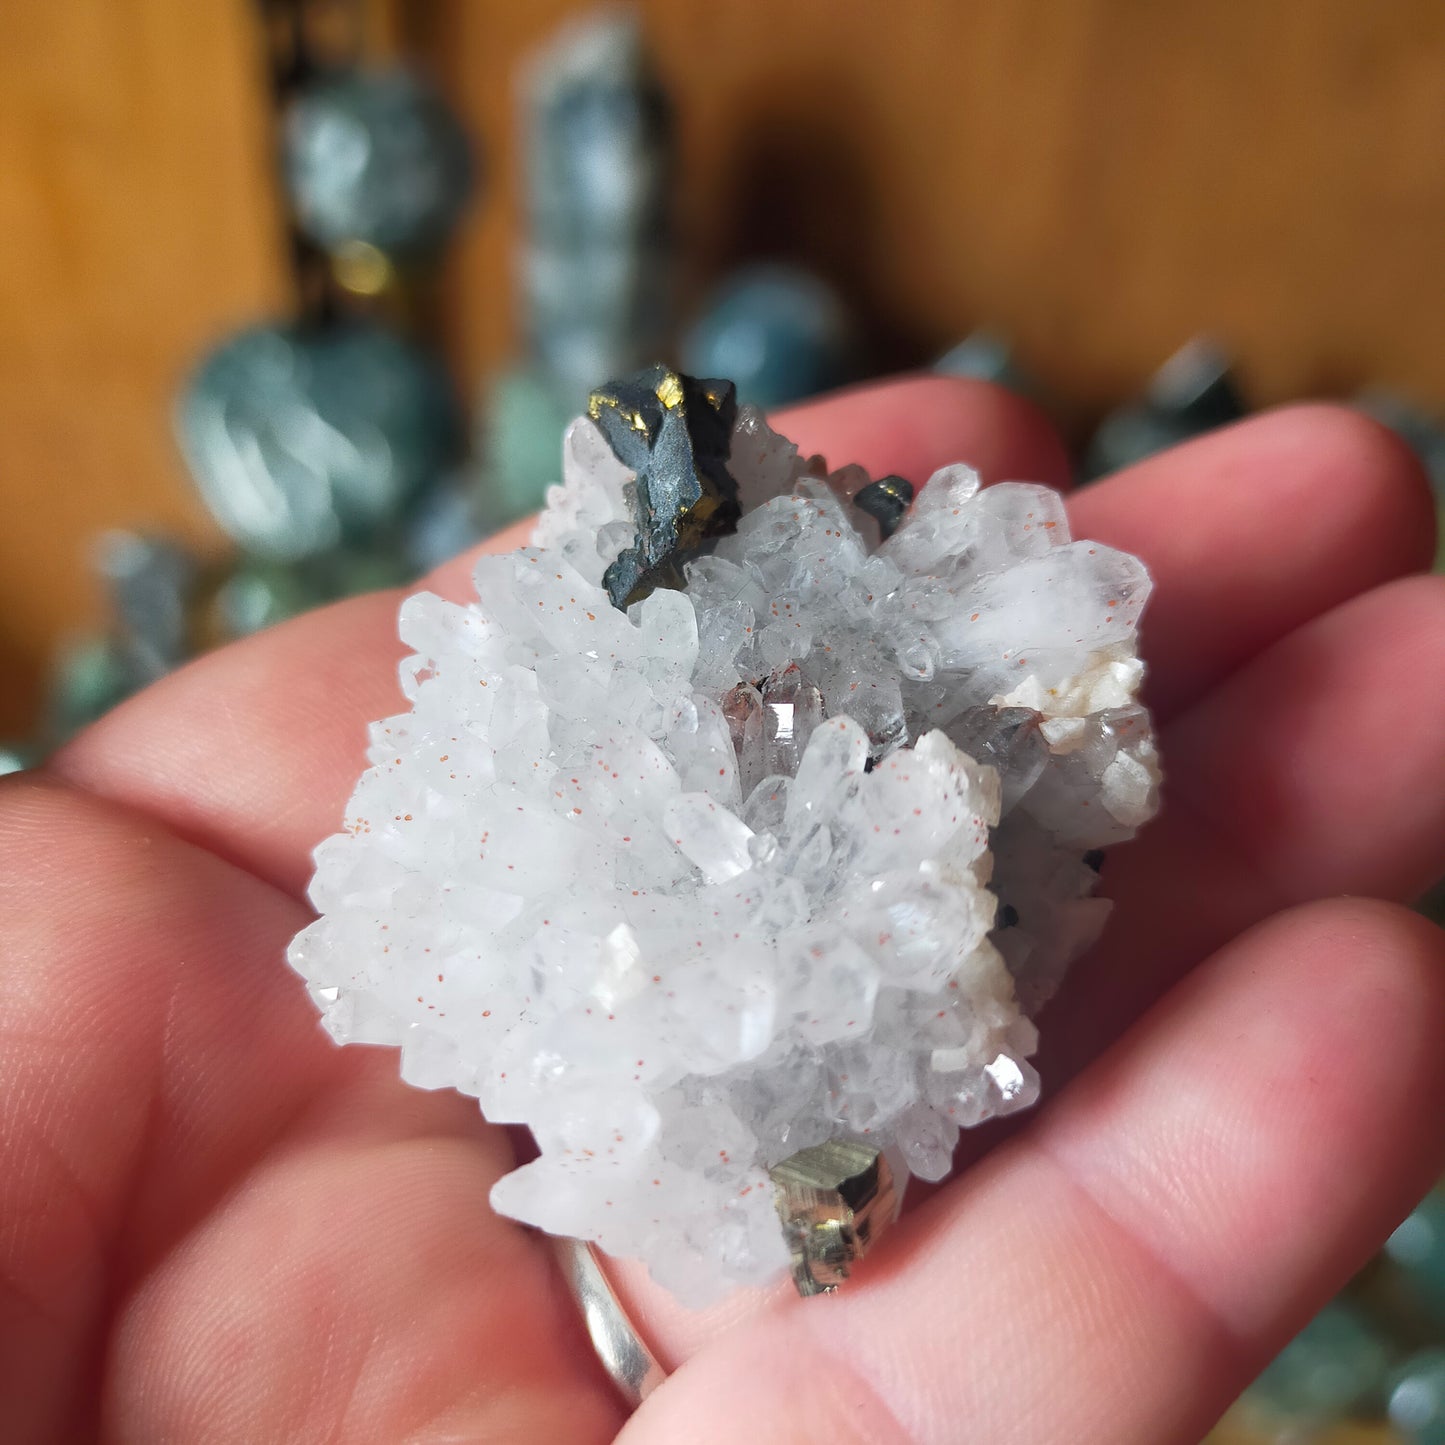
(795, 853)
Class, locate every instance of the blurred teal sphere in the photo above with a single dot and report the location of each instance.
(778, 332)
(304, 439)
(376, 157)
(524, 414)
(1417, 1398)
(1417, 1247)
(259, 594)
(1334, 1367)
(984, 355)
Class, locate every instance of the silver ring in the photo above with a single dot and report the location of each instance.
(633, 1367)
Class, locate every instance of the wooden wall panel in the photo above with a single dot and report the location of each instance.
(1099, 178)
(136, 224)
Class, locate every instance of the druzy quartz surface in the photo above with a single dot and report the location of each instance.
(785, 856)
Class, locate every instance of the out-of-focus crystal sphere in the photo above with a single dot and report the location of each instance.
(15, 758)
(1418, 1248)
(376, 157)
(1192, 393)
(259, 594)
(778, 332)
(90, 676)
(301, 439)
(984, 355)
(1334, 1366)
(524, 413)
(1417, 1398)
(445, 522)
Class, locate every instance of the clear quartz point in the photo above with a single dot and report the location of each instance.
(792, 708)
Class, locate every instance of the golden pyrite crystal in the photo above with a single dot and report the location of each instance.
(834, 1199)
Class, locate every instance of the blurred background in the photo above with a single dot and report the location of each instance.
(297, 294)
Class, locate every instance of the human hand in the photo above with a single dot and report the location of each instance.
(215, 1226)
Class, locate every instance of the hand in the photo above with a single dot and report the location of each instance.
(215, 1226)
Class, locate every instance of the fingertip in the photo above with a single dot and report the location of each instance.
(1388, 980)
(1352, 458)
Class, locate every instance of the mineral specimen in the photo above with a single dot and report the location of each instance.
(780, 859)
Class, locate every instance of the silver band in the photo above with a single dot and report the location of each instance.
(633, 1367)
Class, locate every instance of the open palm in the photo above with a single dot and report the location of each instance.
(215, 1226)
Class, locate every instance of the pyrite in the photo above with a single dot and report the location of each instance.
(834, 1199)
(675, 433)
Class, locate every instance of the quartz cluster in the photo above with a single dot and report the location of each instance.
(788, 854)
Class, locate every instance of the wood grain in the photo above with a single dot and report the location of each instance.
(1098, 178)
(137, 226)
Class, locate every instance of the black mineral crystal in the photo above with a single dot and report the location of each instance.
(675, 433)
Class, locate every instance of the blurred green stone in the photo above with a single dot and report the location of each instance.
(1417, 1398)
(303, 439)
(376, 157)
(350, 571)
(1334, 1367)
(523, 416)
(150, 582)
(90, 677)
(776, 332)
(260, 593)
(597, 259)
(16, 757)
(1422, 431)
(446, 522)
(1192, 393)
(1417, 1247)
(986, 356)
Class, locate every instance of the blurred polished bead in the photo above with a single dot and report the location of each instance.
(599, 134)
(1418, 1248)
(444, 523)
(1334, 1367)
(300, 439)
(1422, 431)
(90, 677)
(150, 583)
(1192, 393)
(16, 757)
(1243, 1426)
(350, 571)
(375, 158)
(778, 332)
(1196, 386)
(597, 259)
(985, 356)
(523, 414)
(1417, 1398)
(260, 593)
